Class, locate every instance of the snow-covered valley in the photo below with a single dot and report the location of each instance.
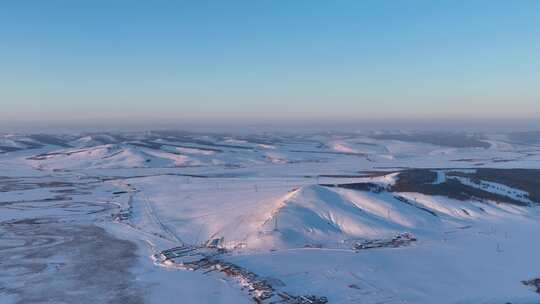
(178, 217)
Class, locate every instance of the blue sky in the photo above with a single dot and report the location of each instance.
(268, 60)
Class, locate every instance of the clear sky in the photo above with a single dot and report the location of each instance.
(254, 60)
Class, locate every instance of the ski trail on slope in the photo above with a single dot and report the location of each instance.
(149, 209)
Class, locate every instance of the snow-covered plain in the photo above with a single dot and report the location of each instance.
(300, 212)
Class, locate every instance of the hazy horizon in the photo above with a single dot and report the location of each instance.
(285, 126)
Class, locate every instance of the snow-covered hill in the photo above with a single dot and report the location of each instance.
(107, 156)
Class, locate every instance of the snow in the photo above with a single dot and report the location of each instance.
(341, 147)
(194, 151)
(274, 203)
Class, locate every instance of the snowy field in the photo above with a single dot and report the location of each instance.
(177, 217)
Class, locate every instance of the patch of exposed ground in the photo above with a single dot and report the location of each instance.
(44, 260)
(423, 181)
(51, 251)
(534, 283)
